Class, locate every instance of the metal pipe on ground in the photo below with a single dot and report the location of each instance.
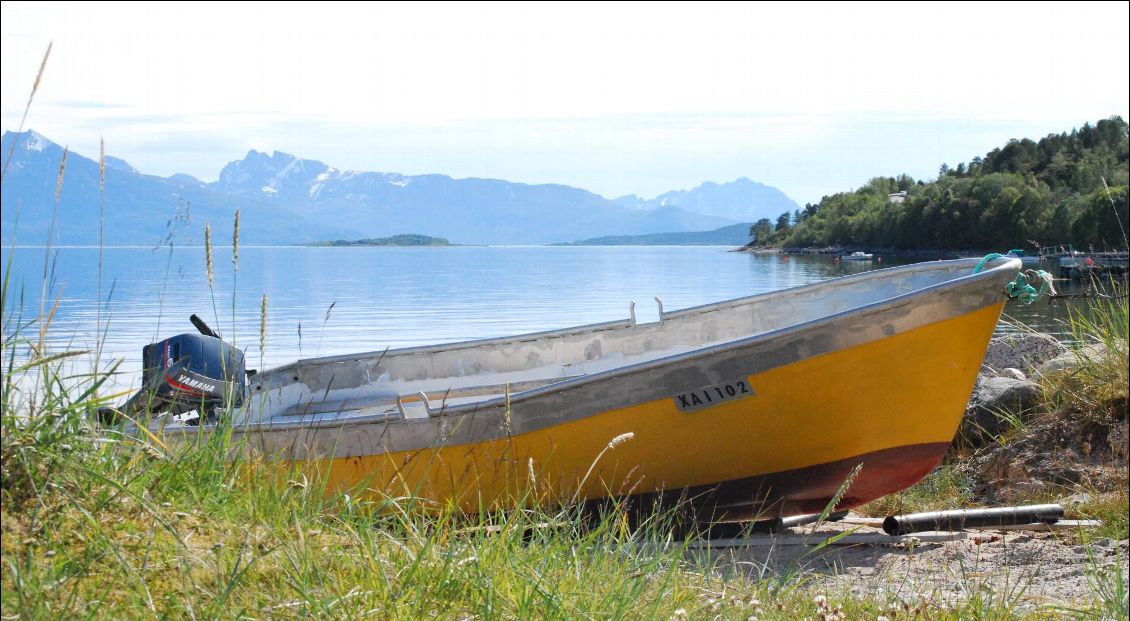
(800, 520)
(729, 530)
(970, 518)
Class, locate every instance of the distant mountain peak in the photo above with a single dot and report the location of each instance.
(736, 183)
(35, 141)
(281, 157)
(742, 199)
(255, 155)
(268, 176)
(30, 140)
(120, 164)
(183, 179)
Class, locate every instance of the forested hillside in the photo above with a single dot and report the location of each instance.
(1025, 193)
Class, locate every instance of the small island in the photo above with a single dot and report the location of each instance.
(395, 240)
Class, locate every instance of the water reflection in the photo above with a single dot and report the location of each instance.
(324, 301)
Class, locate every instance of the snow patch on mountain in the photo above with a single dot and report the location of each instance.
(35, 142)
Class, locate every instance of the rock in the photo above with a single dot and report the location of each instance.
(1001, 468)
(1073, 359)
(1024, 351)
(997, 404)
(1047, 458)
(1016, 472)
(1013, 373)
(1079, 498)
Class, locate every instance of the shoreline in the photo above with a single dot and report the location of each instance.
(923, 253)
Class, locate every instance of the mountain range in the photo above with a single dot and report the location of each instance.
(732, 235)
(284, 199)
(725, 200)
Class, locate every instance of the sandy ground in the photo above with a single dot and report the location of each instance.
(1025, 568)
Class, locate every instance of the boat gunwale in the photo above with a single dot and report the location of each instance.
(617, 323)
(443, 410)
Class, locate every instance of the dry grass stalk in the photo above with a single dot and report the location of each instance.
(208, 254)
(235, 244)
(30, 98)
(262, 324)
(62, 170)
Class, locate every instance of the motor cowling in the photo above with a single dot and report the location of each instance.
(192, 372)
(185, 373)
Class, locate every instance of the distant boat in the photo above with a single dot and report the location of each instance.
(857, 256)
(757, 406)
(1055, 253)
(1024, 258)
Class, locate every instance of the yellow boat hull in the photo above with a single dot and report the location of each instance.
(787, 448)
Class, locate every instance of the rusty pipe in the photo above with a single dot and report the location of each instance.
(967, 518)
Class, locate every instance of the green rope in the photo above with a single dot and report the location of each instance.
(982, 262)
(1022, 288)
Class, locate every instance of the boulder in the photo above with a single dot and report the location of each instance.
(997, 405)
(1072, 359)
(1013, 373)
(1025, 351)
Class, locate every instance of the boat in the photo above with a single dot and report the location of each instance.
(1026, 259)
(857, 256)
(1053, 254)
(762, 405)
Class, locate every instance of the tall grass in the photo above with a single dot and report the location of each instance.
(1095, 397)
(1098, 385)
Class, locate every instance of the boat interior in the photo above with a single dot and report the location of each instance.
(427, 381)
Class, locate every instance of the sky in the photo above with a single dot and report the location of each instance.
(636, 98)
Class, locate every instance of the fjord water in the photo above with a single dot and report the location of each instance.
(326, 301)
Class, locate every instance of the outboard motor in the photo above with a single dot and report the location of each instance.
(187, 372)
